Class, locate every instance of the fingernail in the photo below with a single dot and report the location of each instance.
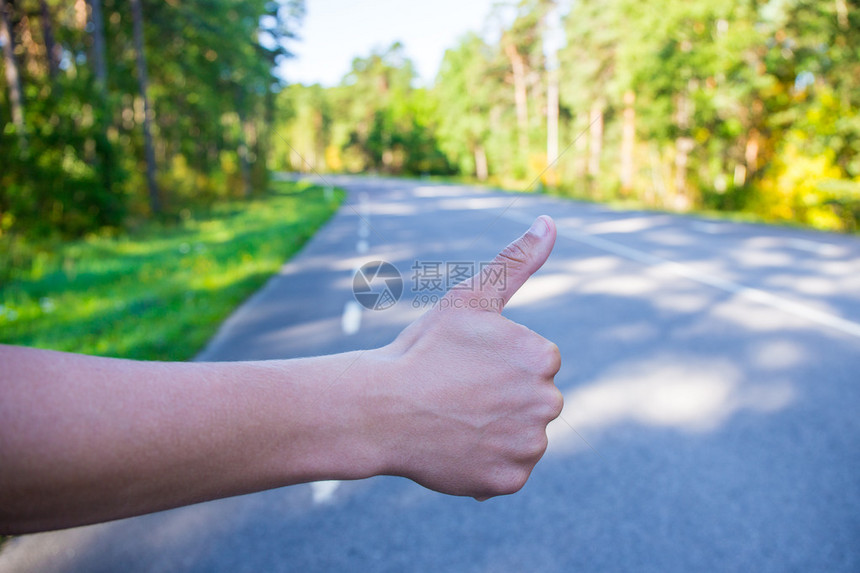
(539, 228)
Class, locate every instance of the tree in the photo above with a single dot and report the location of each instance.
(378, 87)
(188, 88)
(13, 76)
(99, 56)
(552, 40)
(590, 75)
(143, 82)
(464, 88)
(522, 45)
(52, 53)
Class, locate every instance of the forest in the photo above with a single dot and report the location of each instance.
(730, 105)
(115, 112)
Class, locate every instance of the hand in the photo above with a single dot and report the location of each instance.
(473, 392)
(459, 402)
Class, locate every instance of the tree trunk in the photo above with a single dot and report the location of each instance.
(656, 195)
(552, 117)
(143, 83)
(80, 15)
(481, 170)
(842, 14)
(255, 152)
(13, 78)
(683, 146)
(628, 143)
(101, 103)
(520, 96)
(740, 175)
(99, 57)
(51, 49)
(595, 146)
(751, 152)
(319, 139)
(244, 168)
(244, 163)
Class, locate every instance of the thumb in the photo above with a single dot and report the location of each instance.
(497, 281)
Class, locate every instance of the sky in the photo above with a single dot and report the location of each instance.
(336, 31)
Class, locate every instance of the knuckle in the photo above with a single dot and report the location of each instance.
(519, 479)
(552, 358)
(532, 449)
(509, 480)
(539, 445)
(557, 402)
(514, 253)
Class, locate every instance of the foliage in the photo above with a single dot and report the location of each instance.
(807, 189)
(76, 162)
(726, 105)
(730, 100)
(467, 99)
(682, 105)
(374, 121)
(161, 292)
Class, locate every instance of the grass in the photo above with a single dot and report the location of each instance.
(161, 292)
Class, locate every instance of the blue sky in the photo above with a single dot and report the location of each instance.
(336, 31)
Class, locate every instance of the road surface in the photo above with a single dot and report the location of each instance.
(711, 374)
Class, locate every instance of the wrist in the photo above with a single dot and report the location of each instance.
(345, 434)
(372, 441)
(388, 410)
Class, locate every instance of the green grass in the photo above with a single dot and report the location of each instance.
(161, 292)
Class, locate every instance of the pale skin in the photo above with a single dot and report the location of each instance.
(458, 402)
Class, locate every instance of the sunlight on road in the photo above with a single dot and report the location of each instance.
(662, 392)
(626, 225)
(474, 203)
(435, 191)
(543, 287)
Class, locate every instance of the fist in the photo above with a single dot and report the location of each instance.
(472, 392)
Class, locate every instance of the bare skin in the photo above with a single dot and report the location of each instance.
(459, 403)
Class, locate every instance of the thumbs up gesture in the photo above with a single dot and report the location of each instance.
(473, 390)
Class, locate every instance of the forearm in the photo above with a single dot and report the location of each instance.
(459, 402)
(85, 439)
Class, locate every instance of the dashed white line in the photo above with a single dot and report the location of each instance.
(350, 320)
(323, 491)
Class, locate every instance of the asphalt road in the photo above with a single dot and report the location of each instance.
(711, 374)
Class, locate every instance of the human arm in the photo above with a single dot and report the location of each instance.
(458, 402)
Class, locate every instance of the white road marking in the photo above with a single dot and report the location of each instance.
(350, 321)
(323, 491)
(762, 297)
